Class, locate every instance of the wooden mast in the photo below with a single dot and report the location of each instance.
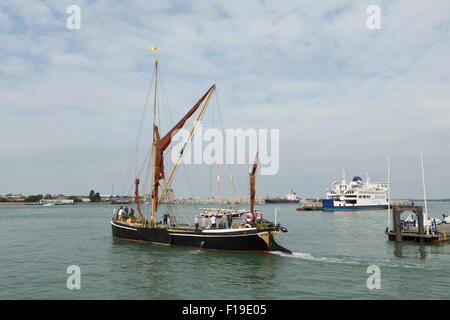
(153, 48)
(152, 218)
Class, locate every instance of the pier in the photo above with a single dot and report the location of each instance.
(436, 233)
(310, 205)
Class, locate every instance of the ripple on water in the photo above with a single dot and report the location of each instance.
(38, 245)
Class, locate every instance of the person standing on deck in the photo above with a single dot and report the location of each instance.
(230, 220)
(196, 223)
(213, 222)
(224, 222)
(204, 222)
(126, 211)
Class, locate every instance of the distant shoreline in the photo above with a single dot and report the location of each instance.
(40, 204)
(181, 201)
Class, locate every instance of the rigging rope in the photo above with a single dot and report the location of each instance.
(135, 148)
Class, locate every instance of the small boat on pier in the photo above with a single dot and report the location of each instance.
(418, 226)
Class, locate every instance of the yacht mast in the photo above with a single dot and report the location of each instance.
(232, 193)
(424, 194)
(218, 188)
(389, 195)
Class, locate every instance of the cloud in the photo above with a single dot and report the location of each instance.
(342, 95)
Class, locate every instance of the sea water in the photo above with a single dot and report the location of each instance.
(334, 253)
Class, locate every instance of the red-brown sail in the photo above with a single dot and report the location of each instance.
(252, 176)
(163, 143)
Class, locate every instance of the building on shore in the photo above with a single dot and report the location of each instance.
(170, 195)
(14, 197)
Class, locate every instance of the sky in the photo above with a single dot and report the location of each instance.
(343, 96)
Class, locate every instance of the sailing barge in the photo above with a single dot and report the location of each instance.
(255, 234)
(256, 238)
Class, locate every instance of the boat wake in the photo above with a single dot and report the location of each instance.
(351, 260)
(310, 257)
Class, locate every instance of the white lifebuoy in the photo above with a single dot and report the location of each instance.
(249, 217)
(247, 226)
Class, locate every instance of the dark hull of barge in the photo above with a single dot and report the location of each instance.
(245, 239)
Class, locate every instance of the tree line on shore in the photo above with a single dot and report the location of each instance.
(93, 197)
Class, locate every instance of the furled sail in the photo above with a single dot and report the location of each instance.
(252, 176)
(136, 194)
(163, 143)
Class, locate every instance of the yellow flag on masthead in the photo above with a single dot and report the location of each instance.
(153, 48)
